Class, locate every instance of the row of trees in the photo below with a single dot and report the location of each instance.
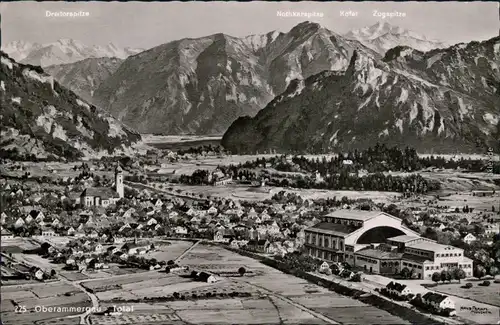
(449, 275)
(342, 181)
(473, 165)
(201, 149)
(379, 158)
(372, 182)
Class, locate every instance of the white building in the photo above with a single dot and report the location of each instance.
(380, 243)
(398, 289)
(491, 229)
(104, 196)
(427, 257)
(438, 301)
(343, 232)
(469, 238)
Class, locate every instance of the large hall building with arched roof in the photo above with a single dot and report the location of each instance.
(378, 242)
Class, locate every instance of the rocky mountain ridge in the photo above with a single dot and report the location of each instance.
(84, 77)
(443, 100)
(201, 86)
(42, 119)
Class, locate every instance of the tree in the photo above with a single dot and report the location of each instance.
(458, 274)
(194, 274)
(45, 247)
(167, 270)
(53, 273)
(479, 271)
(436, 277)
(356, 277)
(493, 270)
(443, 276)
(242, 271)
(405, 273)
(449, 275)
(170, 262)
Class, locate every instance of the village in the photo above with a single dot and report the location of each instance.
(81, 225)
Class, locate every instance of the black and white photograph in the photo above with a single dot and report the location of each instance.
(261, 162)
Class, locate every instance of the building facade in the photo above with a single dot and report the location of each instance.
(343, 232)
(103, 196)
(378, 243)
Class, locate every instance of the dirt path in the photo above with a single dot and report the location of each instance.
(186, 251)
(84, 317)
(289, 301)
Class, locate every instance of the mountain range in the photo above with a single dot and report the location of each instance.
(201, 86)
(63, 51)
(309, 89)
(40, 118)
(444, 100)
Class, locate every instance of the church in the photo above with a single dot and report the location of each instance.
(103, 196)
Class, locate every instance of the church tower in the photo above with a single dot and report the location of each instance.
(119, 181)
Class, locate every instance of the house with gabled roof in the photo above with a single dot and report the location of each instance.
(55, 223)
(3, 218)
(258, 245)
(125, 226)
(398, 289)
(469, 238)
(438, 301)
(48, 232)
(180, 230)
(6, 234)
(19, 223)
(206, 277)
(37, 215)
(212, 210)
(93, 234)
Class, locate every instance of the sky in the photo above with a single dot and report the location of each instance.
(144, 25)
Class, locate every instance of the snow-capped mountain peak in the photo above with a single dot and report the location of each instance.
(63, 51)
(383, 36)
(18, 50)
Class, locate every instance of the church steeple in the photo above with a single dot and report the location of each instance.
(119, 181)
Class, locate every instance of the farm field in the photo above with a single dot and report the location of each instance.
(169, 250)
(488, 295)
(18, 244)
(50, 294)
(457, 181)
(465, 198)
(268, 296)
(470, 310)
(49, 169)
(208, 163)
(249, 193)
(34, 259)
(288, 290)
(151, 138)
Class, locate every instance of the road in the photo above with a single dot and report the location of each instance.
(84, 317)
